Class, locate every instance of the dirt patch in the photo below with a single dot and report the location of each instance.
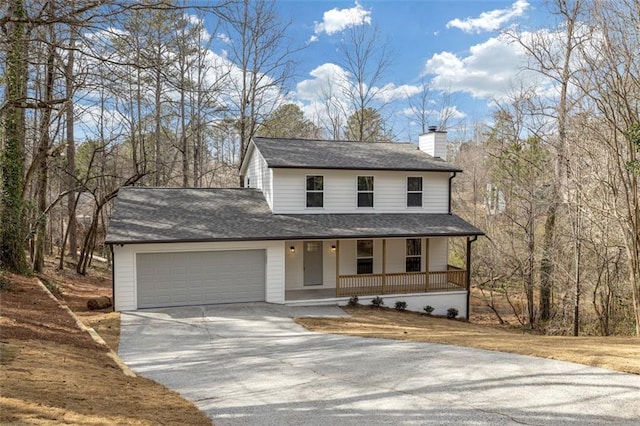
(615, 353)
(51, 372)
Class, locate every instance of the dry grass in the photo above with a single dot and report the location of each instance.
(615, 353)
(51, 372)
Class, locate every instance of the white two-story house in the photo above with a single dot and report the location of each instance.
(316, 222)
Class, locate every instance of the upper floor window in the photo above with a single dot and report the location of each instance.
(414, 192)
(315, 191)
(365, 191)
(365, 257)
(414, 254)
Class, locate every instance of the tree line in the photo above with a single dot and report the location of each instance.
(98, 95)
(553, 180)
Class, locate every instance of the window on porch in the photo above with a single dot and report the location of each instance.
(414, 255)
(365, 257)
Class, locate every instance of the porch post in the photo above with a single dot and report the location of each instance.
(426, 266)
(468, 272)
(384, 263)
(337, 267)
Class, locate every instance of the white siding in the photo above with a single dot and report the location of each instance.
(124, 276)
(340, 191)
(275, 272)
(125, 297)
(438, 254)
(259, 176)
(348, 265)
(396, 249)
(294, 266)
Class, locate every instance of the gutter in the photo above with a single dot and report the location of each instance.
(113, 279)
(450, 182)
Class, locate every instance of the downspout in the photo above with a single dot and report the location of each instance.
(113, 279)
(469, 241)
(450, 182)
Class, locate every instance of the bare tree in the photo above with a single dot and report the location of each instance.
(430, 108)
(366, 59)
(262, 52)
(612, 81)
(553, 57)
(71, 147)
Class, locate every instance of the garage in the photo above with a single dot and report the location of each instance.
(198, 278)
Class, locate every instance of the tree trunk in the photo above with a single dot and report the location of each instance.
(158, 129)
(12, 235)
(70, 178)
(43, 168)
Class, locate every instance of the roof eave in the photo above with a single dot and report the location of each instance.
(298, 237)
(245, 161)
(396, 169)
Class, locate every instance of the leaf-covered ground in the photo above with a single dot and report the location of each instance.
(51, 372)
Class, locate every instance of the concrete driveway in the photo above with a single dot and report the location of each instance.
(251, 365)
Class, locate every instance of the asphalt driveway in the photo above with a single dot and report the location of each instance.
(252, 365)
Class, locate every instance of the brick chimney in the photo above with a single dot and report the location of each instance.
(434, 142)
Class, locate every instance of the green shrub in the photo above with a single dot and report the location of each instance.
(353, 301)
(377, 301)
(452, 313)
(428, 309)
(401, 305)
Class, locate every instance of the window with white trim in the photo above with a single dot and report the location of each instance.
(413, 255)
(365, 257)
(315, 191)
(414, 191)
(365, 191)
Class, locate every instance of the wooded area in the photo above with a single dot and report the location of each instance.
(98, 95)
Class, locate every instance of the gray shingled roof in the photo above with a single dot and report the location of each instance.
(322, 154)
(148, 215)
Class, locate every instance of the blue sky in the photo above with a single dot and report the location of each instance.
(453, 46)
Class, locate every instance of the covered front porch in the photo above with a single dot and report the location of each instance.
(338, 269)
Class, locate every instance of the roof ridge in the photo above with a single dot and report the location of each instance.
(182, 188)
(335, 140)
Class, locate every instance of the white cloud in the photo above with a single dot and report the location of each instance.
(328, 79)
(336, 20)
(323, 97)
(436, 115)
(490, 21)
(489, 71)
(223, 38)
(390, 92)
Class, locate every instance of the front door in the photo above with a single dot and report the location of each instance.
(312, 263)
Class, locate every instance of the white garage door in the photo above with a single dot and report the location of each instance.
(200, 278)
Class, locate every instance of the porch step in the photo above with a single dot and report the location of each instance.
(318, 302)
